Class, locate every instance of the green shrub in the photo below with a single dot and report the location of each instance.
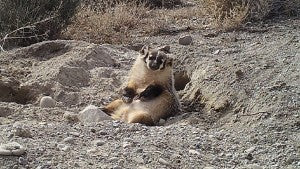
(42, 19)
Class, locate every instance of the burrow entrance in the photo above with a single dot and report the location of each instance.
(11, 92)
(181, 79)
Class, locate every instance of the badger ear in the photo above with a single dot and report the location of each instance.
(165, 49)
(144, 50)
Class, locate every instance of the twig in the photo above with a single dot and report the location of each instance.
(31, 26)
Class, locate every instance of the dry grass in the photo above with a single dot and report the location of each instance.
(114, 25)
(123, 22)
(232, 14)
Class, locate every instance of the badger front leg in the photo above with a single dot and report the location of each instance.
(152, 91)
(129, 92)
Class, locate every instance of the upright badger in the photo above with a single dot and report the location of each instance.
(149, 94)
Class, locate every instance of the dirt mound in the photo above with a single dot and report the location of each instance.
(239, 91)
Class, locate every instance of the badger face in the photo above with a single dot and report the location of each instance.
(156, 59)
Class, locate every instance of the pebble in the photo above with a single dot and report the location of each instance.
(194, 152)
(22, 161)
(163, 161)
(75, 134)
(161, 122)
(185, 40)
(69, 140)
(47, 102)
(98, 142)
(92, 114)
(22, 131)
(217, 52)
(12, 148)
(209, 168)
(139, 150)
(126, 144)
(63, 147)
(252, 166)
(250, 150)
(92, 151)
(71, 117)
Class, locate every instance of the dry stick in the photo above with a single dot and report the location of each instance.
(32, 26)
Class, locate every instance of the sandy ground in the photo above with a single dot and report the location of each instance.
(241, 105)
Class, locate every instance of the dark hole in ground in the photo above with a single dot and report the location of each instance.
(181, 79)
(17, 95)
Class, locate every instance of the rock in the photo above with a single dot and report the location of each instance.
(22, 161)
(92, 114)
(161, 122)
(126, 144)
(217, 52)
(71, 117)
(69, 140)
(98, 142)
(250, 150)
(194, 152)
(47, 102)
(185, 40)
(251, 166)
(63, 147)
(92, 151)
(12, 148)
(209, 168)
(22, 131)
(163, 161)
(76, 134)
(138, 160)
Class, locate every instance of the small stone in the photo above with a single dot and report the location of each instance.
(69, 140)
(22, 161)
(194, 152)
(252, 166)
(126, 144)
(22, 131)
(139, 150)
(161, 122)
(103, 133)
(217, 52)
(163, 161)
(76, 134)
(139, 160)
(71, 117)
(142, 167)
(63, 147)
(12, 148)
(92, 114)
(185, 40)
(98, 143)
(47, 102)
(92, 151)
(209, 168)
(117, 167)
(239, 74)
(250, 150)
